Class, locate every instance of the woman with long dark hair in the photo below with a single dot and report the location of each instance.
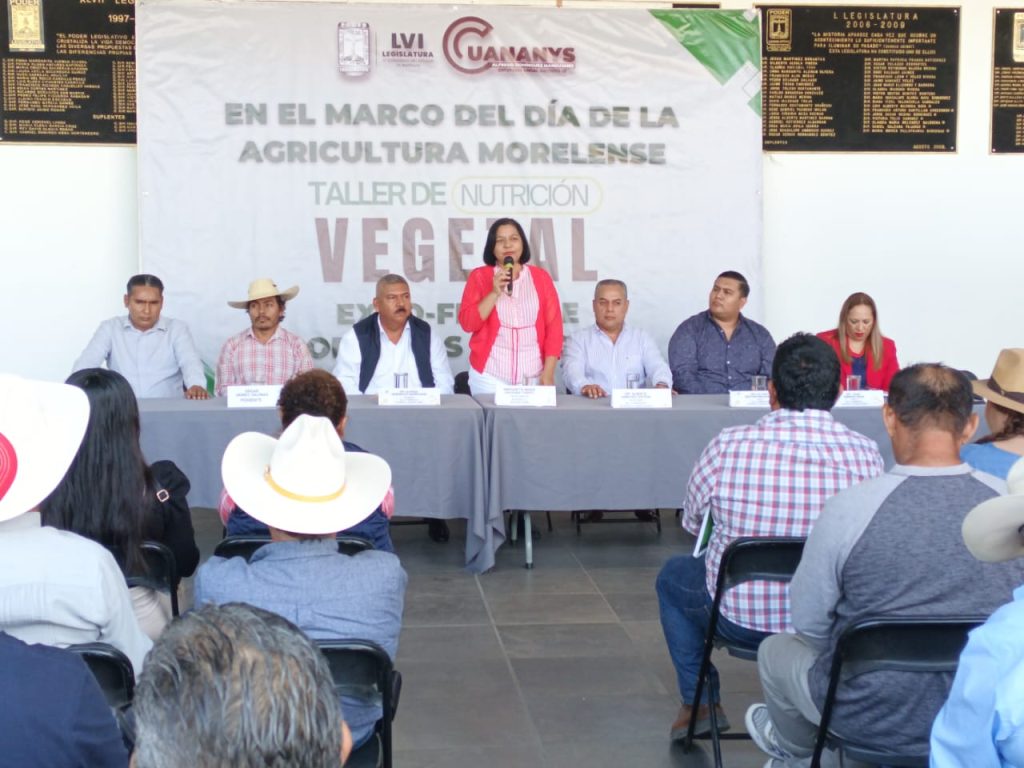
(110, 494)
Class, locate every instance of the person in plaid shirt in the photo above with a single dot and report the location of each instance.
(264, 353)
(770, 478)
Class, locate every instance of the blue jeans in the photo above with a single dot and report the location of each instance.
(685, 607)
(374, 528)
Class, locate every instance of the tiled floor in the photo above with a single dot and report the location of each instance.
(561, 666)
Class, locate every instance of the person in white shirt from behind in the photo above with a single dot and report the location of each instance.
(400, 343)
(601, 357)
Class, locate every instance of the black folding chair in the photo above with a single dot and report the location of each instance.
(362, 670)
(113, 671)
(745, 559)
(893, 644)
(161, 572)
(244, 546)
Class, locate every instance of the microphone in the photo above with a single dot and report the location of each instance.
(509, 264)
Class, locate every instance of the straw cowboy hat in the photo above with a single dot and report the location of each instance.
(264, 288)
(41, 427)
(1006, 385)
(305, 481)
(992, 530)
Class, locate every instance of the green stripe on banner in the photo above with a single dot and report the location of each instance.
(723, 41)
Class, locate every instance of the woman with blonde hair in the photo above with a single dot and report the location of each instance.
(858, 342)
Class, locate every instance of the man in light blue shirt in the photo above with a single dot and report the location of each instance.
(982, 723)
(155, 354)
(604, 356)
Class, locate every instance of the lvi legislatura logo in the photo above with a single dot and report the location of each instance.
(468, 51)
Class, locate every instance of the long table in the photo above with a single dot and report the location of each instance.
(436, 454)
(472, 459)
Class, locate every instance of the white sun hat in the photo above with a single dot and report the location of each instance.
(992, 530)
(264, 288)
(305, 481)
(41, 428)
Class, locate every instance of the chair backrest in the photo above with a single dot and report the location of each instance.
(462, 383)
(112, 670)
(756, 558)
(362, 670)
(161, 572)
(244, 546)
(896, 644)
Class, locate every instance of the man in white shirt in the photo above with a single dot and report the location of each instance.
(605, 355)
(155, 354)
(56, 588)
(391, 341)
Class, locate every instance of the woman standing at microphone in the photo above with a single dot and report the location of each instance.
(513, 313)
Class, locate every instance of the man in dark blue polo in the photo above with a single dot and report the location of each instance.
(719, 350)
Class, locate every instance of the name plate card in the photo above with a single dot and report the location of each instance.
(413, 396)
(861, 398)
(534, 397)
(642, 398)
(748, 399)
(254, 396)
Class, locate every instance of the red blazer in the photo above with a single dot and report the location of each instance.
(878, 378)
(484, 332)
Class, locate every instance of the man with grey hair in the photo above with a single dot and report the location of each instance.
(236, 685)
(609, 354)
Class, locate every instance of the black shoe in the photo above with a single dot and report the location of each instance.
(438, 530)
(644, 515)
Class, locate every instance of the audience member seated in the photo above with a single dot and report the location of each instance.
(391, 341)
(316, 393)
(306, 487)
(512, 313)
(766, 479)
(109, 495)
(264, 353)
(155, 354)
(863, 350)
(56, 588)
(890, 546)
(55, 714)
(719, 350)
(1004, 413)
(600, 358)
(981, 724)
(234, 685)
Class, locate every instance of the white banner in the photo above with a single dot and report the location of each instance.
(326, 145)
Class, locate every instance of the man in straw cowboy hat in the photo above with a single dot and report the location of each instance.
(889, 546)
(1004, 413)
(56, 587)
(306, 487)
(982, 722)
(264, 353)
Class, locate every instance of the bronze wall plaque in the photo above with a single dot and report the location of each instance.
(1008, 80)
(67, 71)
(859, 78)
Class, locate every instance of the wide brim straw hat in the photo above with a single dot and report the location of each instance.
(41, 429)
(1005, 386)
(304, 481)
(264, 288)
(992, 530)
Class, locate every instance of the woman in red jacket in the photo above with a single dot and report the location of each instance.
(513, 313)
(860, 345)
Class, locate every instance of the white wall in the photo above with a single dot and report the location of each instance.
(932, 238)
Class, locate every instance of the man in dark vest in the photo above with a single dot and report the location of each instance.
(392, 341)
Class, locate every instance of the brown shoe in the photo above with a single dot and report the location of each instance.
(682, 723)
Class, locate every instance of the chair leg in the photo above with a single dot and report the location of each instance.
(657, 520)
(550, 527)
(527, 539)
(716, 742)
(513, 526)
